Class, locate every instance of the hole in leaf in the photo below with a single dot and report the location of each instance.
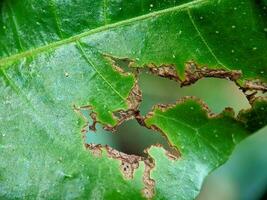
(131, 138)
(216, 93)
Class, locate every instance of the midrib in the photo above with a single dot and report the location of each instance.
(75, 38)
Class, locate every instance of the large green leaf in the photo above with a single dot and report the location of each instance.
(53, 58)
(191, 30)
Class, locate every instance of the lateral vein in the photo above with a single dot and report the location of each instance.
(75, 38)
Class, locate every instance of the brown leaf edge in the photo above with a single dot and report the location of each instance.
(129, 163)
(193, 73)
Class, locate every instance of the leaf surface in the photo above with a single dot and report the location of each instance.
(205, 142)
(53, 58)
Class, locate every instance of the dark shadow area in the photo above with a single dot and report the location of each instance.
(264, 196)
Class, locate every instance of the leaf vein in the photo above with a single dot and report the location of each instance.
(16, 26)
(77, 37)
(204, 40)
(57, 20)
(97, 71)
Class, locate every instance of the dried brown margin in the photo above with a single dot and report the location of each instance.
(165, 107)
(129, 163)
(251, 88)
(195, 72)
(133, 101)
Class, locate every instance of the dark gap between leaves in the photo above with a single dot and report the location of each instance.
(131, 138)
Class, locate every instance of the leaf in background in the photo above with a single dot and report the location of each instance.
(52, 58)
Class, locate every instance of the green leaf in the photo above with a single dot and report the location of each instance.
(191, 30)
(53, 60)
(256, 118)
(204, 142)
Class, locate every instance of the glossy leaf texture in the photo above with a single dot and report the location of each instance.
(191, 30)
(53, 58)
(205, 142)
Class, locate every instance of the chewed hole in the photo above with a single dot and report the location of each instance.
(130, 138)
(216, 93)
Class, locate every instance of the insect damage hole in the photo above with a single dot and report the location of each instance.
(128, 144)
(217, 93)
(130, 138)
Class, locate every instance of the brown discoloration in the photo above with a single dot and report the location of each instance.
(92, 114)
(227, 111)
(194, 72)
(135, 97)
(123, 116)
(253, 88)
(165, 107)
(165, 71)
(149, 189)
(129, 163)
(113, 153)
(251, 96)
(128, 169)
(121, 65)
(134, 100)
(173, 153)
(96, 149)
(255, 85)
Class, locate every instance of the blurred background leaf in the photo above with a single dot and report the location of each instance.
(244, 176)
